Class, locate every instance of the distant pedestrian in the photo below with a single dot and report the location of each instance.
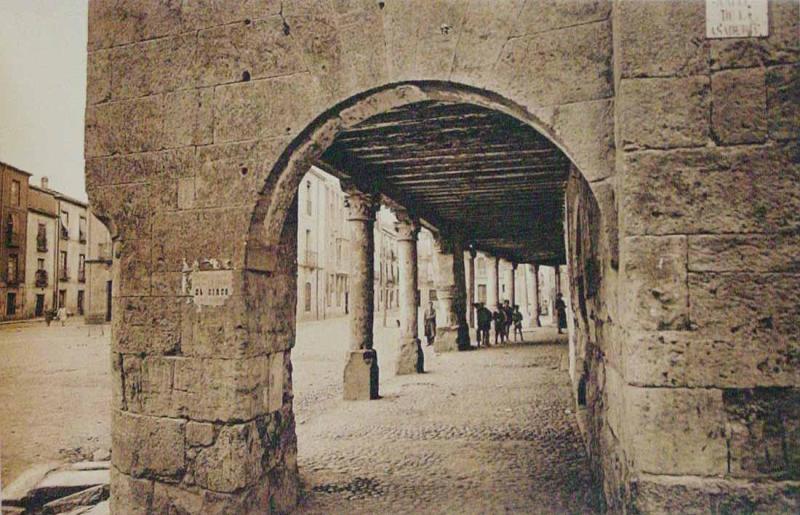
(516, 316)
(430, 324)
(499, 318)
(508, 311)
(62, 315)
(561, 310)
(48, 316)
(484, 324)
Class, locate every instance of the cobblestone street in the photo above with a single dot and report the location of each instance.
(480, 432)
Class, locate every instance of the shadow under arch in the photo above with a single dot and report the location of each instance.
(279, 190)
(270, 285)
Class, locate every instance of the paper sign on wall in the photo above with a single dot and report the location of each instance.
(736, 19)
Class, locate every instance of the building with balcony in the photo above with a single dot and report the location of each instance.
(13, 243)
(40, 257)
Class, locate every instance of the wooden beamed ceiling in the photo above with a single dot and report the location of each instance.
(463, 168)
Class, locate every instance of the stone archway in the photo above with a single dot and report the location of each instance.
(272, 240)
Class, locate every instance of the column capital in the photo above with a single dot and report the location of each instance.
(407, 226)
(514, 265)
(448, 243)
(472, 252)
(361, 205)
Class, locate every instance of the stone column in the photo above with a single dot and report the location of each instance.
(533, 295)
(557, 270)
(512, 287)
(471, 301)
(410, 358)
(492, 282)
(452, 332)
(361, 368)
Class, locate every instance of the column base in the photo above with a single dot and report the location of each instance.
(450, 339)
(410, 358)
(361, 375)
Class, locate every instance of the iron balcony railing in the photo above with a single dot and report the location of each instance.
(63, 275)
(12, 238)
(41, 243)
(41, 278)
(82, 236)
(81, 276)
(64, 233)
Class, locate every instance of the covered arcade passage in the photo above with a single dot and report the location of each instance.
(201, 120)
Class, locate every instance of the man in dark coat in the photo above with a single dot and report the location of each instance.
(430, 323)
(484, 324)
(561, 310)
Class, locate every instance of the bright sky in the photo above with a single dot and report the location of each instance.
(43, 89)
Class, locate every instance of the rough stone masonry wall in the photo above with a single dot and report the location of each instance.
(190, 106)
(707, 148)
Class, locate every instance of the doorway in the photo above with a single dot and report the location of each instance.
(39, 310)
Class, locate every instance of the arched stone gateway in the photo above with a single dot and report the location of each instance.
(202, 118)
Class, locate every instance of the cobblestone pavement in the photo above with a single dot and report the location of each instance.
(489, 431)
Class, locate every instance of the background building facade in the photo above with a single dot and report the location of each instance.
(14, 216)
(40, 257)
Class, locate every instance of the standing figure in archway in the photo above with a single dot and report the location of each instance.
(430, 323)
(561, 310)
(484, 324)
(499, 325)
(516, 317)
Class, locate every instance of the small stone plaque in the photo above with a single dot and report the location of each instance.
(736, 19)
(211, 287)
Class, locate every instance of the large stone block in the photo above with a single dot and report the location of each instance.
(712, 190)
(783, 102)
(219, 235)
(264, 108)
(233, 461)
(764, 432)
(439, 25)
(184, 499)
(692, 359)
(142, 167)
(134, 267)
(363, 50)
(586, 129)
(747, 306)
(128, 21)
(483, 34)
(147, 324)
(201, 389)
(145, 446)
(557, 67)
(676, 431)
(546, 15)
(781, 46)
(188, 118)
(738, 112)
(775, 252)
(361, 376)
(129, 495)
(663, 113)
(660, 39)
(123, 127)
(252, 49)
(242, 167)
(155, 66)
(655, 295)
(696, 495)
(98, 77)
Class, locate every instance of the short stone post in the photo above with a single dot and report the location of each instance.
(361, 368)
(452, 332)
(410, 358)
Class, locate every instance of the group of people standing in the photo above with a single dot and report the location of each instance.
(504, 318)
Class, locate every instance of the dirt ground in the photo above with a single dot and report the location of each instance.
(488, 431)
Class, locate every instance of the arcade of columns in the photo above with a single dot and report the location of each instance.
(361, 369)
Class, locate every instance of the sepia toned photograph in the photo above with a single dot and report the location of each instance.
(399, 257)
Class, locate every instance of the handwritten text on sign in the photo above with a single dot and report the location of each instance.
(212, 287)
(736, 19)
